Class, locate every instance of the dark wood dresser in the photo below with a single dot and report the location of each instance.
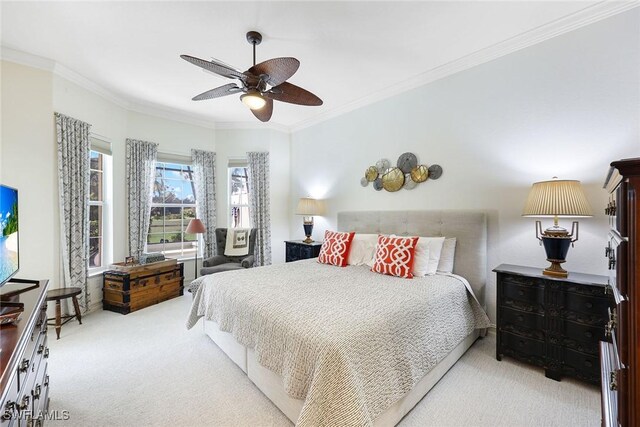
(24, 380)
(297, 250)
(132, 289)
(620, 358)
(554, 323)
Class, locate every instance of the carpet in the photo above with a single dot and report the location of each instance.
(146, 369)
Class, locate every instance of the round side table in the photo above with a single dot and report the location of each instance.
(58, 295)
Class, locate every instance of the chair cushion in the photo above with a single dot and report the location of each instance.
(219, 268)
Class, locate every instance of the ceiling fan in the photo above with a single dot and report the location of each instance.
(260, 85)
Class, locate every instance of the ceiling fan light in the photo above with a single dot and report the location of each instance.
(253, 99)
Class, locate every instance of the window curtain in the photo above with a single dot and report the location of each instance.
(141, 164)
(73, 183)
(204, 171)
(259, 204)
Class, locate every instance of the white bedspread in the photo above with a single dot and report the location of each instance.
(347, 341)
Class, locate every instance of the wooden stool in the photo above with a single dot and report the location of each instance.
(57, 295)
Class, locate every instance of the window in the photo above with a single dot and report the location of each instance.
(173, 206)
(239, 197)
(97, 210)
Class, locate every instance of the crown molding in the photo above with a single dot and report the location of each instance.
(581, 18)
(171, 114)
(39, 62)
(252, 125)
(24, 58)
(78, 79)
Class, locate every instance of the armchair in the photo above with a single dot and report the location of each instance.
(221, 262)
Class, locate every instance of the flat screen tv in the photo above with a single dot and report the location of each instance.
(9, 258)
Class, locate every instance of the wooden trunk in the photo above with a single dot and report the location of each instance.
(125, 292)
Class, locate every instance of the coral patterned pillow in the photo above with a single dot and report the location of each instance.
(335, 248)
(395, 255)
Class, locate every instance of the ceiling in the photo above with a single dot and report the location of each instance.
(351, 53)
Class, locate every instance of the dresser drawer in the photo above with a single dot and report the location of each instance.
(524, 346)
(523, 297)
(586, 334)
(530, 325)
(582, 365)
(297, 250)
(588, 305)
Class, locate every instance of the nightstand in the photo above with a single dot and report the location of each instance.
(554, 323)
(297, 250)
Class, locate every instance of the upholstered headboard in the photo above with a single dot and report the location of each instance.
(468, 227)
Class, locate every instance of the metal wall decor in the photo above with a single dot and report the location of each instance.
(406, 174)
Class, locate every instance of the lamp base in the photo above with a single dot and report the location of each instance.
(555, 270)
(308, 230)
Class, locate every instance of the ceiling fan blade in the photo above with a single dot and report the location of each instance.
(218, 92)
(219, 68)
(278, 70)
(264, 114)
(287, 92)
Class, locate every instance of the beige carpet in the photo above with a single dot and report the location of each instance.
(146, 369)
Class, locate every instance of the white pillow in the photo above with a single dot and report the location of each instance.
(447, 256)
(363, 248)
(427, 256)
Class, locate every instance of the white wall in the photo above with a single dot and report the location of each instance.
(29, 163)
(115, 123)
(232, 143)
(29, 99)
(565, 107)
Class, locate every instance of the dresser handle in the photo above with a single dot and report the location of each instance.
(24, 366)
(40, 348)
(520, 318)
(588, 334)
(25, 403)
(9, 407)
(588, 363)
(36, 392)
(613, 381)
(589, 305)
(46, 352)
(46, 381)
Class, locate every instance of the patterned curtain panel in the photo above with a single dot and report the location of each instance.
(141, 165)
(204, 170)
(259, 204)
(73, 183)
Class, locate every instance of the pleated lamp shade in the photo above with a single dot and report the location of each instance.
(562, 198)
(309, 207)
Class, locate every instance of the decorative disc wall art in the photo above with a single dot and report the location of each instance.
(406, 174)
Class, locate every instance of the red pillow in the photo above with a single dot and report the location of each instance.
(395, 255)
(335, 248)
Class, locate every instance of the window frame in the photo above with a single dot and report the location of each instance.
(181, 255)
(106, 249)
(231, 205)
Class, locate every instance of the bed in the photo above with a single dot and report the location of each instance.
(346, 346)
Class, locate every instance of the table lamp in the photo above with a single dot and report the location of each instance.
(308, 208)
(554, 199)
(195, 227)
